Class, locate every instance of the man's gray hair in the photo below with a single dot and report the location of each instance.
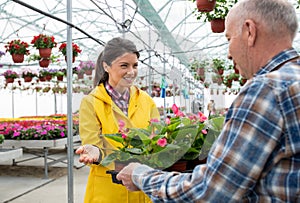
(278, 16)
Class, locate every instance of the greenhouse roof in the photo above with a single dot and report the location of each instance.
(167, 31)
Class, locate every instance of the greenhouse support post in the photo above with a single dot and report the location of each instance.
(69, 104)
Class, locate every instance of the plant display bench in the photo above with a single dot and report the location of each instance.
(10, 154)
(39, 149)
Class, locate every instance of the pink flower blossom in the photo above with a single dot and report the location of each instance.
(162, 142)
(44, 132)
(16, 134)
(154, 120)
(168, 121)
(202, 117)
(193, 117)
(124, 136)
(121, 125)
(175, 108)
(176, 111)
(152, 135)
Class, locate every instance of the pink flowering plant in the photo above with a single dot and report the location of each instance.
(86, 65)
(37, 128)
(162, 143)
(10, 74)
(43, 131)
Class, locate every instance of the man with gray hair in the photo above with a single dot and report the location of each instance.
(256, 158)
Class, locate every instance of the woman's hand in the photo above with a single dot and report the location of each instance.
(89, 154)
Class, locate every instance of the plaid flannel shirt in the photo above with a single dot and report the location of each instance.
(121, 100)
(256, 158)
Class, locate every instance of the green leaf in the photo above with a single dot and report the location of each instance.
(159, 127)
(124, 156)
(136, 142)
(186, 121)
(216, 123)
(116, 137)
(215, 126)
(140, 134)
(109, 159)
(134, 151)
(173, 126)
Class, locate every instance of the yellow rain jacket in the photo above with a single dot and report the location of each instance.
(98, 114)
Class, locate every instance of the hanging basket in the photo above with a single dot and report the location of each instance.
(88, 72)
(9, 80)
(206, 5)
(229, 83)
(45, 52)
(202, 78)
(217, 25)
(243, 81)
(220, 80)
(236, 70)
(27, 79)
(18, 58)
(80, 75)
(44, 63)
(42, 79)
(200, 71)
(60, 78)
(48, 77)
(220, 71)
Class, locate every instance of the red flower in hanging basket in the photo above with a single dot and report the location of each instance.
(75, 48)
(17, 47)
(43, 41)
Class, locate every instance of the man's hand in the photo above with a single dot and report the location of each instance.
(88, 154)
(125, 176)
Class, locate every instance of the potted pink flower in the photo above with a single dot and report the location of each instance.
(87, 67)
(10, 76)
(174, 144)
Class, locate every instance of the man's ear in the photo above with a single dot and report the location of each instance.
(251, 30)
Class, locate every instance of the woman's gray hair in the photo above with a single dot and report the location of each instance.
(278, 16)
(114, 48)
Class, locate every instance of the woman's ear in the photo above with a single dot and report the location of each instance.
(105, 66)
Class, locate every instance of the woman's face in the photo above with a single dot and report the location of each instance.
(122, 72)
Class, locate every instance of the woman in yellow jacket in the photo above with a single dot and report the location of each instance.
(114, 98)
